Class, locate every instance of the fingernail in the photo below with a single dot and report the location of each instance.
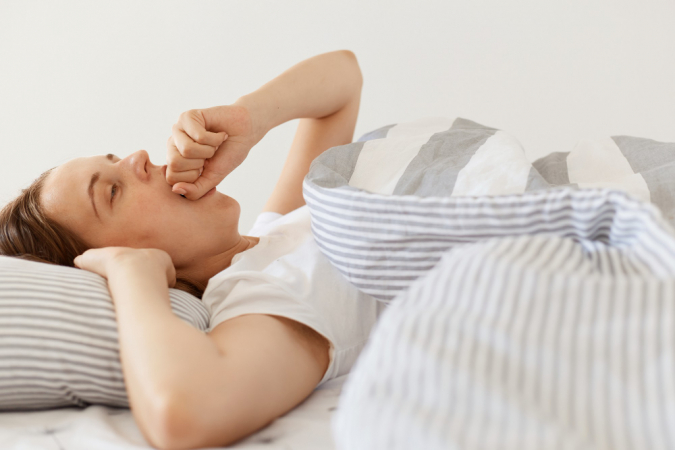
(180, 191)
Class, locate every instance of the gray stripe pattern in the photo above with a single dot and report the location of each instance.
(435, 168)
(58, 337)
(553, 167)
(541, 320)
(337, 164)
(655, 161)
(535, 181)
(519, 343)
(380, 133)
(381, 244)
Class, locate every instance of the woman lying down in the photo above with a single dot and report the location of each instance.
(283, 320)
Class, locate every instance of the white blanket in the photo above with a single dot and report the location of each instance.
(306, 427)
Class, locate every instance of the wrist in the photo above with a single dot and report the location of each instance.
(143, 262)
(260, 111)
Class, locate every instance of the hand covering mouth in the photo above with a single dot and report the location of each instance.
(163, 171)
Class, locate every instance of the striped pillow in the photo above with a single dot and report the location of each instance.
(642, 167)
(58, 336)
(430, 157)
(355, 192)
(366, 196)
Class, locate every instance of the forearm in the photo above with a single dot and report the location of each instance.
(314, 88)
(161, 355)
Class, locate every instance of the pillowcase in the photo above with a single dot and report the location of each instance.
(348, 189)
(642, 167)
(360, 196)
(488, 291)
(430, 157)
(58, 336)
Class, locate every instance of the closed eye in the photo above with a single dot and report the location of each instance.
(113, 191)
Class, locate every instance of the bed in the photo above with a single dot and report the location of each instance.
(563, 338)
(307, 427)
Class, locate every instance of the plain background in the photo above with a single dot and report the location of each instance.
(89, 77)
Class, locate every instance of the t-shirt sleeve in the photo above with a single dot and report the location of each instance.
(254, 295)
(264, 219)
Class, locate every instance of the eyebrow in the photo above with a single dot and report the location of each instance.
(94, 179)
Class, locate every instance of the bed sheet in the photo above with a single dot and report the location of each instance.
(307, 427)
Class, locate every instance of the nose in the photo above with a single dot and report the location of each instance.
(139, 164)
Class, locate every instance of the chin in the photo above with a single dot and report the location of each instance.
(225, 201)
(225, 198)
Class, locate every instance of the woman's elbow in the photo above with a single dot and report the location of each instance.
(177, 424)
(355, 68)
(171, 426)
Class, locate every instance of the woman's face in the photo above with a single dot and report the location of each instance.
(108, 201)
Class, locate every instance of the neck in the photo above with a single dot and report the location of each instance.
(199, 272)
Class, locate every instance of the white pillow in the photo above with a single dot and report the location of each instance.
(58, 336)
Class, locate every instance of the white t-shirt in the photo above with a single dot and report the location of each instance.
(286, 275)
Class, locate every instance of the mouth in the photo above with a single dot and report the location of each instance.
(208, 194)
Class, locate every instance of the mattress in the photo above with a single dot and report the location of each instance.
(307, 427)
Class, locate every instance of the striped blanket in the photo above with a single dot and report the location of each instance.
(540, 318)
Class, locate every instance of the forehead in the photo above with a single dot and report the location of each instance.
(64, 194)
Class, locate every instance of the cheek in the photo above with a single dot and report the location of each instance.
(140, 224)
(160, 224)
(148, 223)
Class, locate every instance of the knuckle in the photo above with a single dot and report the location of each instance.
(188, 115)
(188, 152)
(173, 160)
(199, 136)
(173, 157)
(171, 178)
(172, 166)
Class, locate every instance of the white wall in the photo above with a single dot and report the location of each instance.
(85, 78)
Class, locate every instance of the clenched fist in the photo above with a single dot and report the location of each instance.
(206, 145)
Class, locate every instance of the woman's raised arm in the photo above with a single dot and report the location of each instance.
(325, 90)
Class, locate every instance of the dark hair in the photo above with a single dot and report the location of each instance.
(27, 232)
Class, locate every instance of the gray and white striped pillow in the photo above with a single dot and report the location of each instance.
(642, 167)
(355, 191)
(430, 157)
(58, 336)
(348, 191)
